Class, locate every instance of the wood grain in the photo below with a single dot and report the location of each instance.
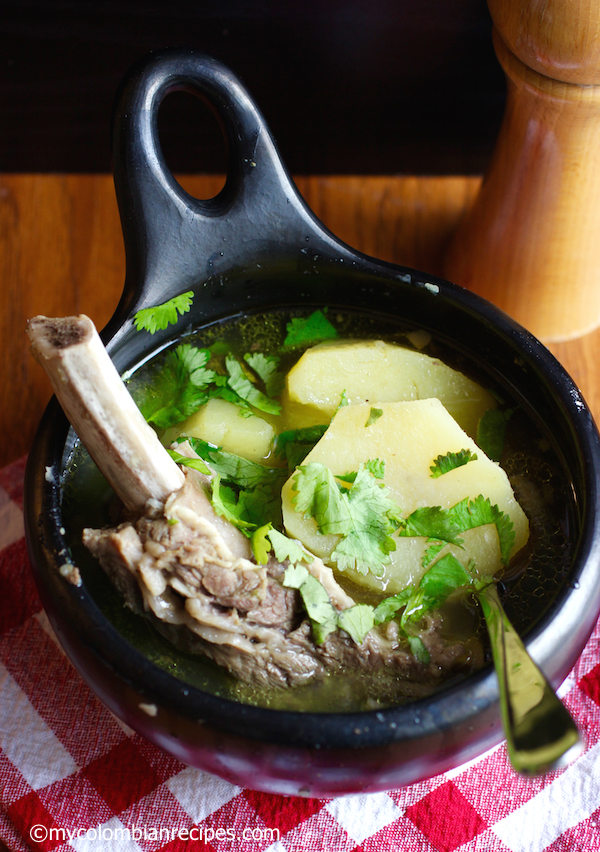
(558, 38)
(530, 243)
(61, 252)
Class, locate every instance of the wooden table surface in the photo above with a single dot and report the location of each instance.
(61, 253)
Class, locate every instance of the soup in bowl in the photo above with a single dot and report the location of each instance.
(299, 347)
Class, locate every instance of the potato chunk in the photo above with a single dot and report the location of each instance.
(408, 437)
(374, 371)
(220, 422)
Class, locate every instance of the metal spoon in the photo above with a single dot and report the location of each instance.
(540, 733)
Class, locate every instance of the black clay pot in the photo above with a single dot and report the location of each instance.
(256, 247)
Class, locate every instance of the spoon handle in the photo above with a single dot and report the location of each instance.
(540, 733)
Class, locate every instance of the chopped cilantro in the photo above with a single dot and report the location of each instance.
(295, 576)
(236, 469)
(431, 553)
(444, 464)
(318, 496)
(376, 467)
(305, 331)
(294, 445)
(443, 578)
(445, 525)
(226, 502)
(388, 607)
(321, 612)
(469, 514)
(419, 650)
(343, 401)
(161, 316)
(324, 617)
(266, 368)
(288, 549)
(261, 544)
(363, 515)
(244, 492)
(491, 431)
(196, 464)
(357, 620)
(180, 387)
(239, 382)
(432, 522)
(374, 416)
(437, 584)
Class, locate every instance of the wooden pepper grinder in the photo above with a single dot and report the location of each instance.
(531, 242)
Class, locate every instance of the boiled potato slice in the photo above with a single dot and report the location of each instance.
(374, 371)
(220, 422)
(409, 436)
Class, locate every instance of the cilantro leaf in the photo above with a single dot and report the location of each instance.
(295, 444)
(419, 650)
(374, 415)
(445, 525)
(376, 467)
(469, 514)
(321, 612)
(316, 600)
(491, 431)
(262, 504)
(265, 367)
(196, 464)
(180, 388)
(160, 316)
(443, 578)
(254, 494)
(388, 607)
(444, 464)
(363, 515)
(236, 469)
(288, 549)
(226, 503)
(437, 584)
(431, 552)
(323, 616)
(241, 384)
(432, 522)
(318, 496)
(357, 620)
(343, 401)
(295, 576)
(305, 331)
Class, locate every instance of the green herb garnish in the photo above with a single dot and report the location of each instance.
(491, 432)
(450, 461)
(374, 415)
(246, 493)
(161, 316)
(305, 331)
(363, 515)
(296, 444)
(239, 382)
(266, 368)
(180, 387)
(448, 575)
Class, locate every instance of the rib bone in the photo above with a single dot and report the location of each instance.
(102, 411)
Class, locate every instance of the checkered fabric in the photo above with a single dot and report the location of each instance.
(73, 777)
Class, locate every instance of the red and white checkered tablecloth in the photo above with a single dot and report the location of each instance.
(72, 776)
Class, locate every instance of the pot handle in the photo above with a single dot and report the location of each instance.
(172, 240)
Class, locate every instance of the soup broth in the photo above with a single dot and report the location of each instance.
(527, 588)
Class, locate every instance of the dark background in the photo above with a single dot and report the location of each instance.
(347, 86)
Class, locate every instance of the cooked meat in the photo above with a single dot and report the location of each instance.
(192, 573)
(187, 568)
